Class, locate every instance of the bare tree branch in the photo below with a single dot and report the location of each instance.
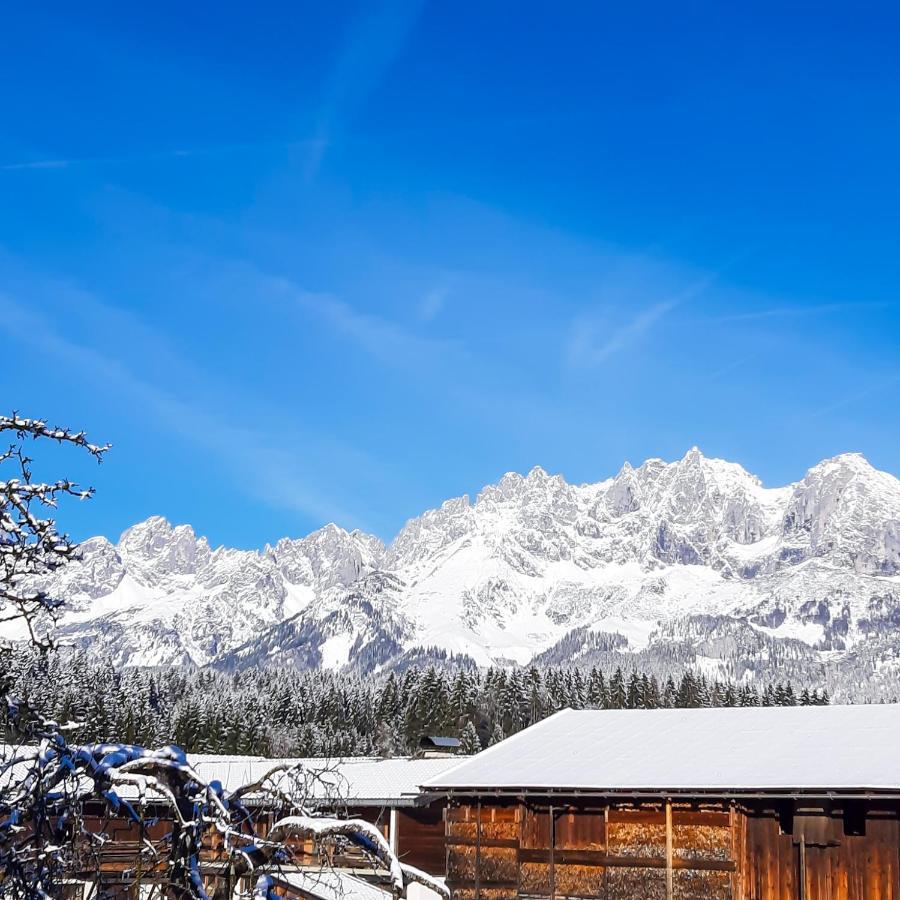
(181, 822)
(30, 544)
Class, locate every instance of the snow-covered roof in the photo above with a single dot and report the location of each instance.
(332, 884)
(704, 751)
(355, 781)
(350, 781)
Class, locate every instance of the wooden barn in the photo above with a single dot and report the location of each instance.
(719, 804)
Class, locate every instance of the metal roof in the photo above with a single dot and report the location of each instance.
(773, 750)
(437, 740)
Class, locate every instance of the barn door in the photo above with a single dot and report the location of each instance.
(845, 856)
(817, 840)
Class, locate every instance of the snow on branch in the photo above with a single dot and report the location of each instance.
(36, 428)
(412, 875)
(210, 836)
(30, 544)
(64, 807)
(362, 833)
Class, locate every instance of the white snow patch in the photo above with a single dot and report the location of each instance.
(710, 666)
(636, 631)
(336, 651)
(298, 597)
(808, 632)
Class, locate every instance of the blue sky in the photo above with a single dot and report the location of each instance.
(308, 262)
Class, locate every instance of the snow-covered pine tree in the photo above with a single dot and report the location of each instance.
(469, 742)
(670, 693)
(633, 691)
(618, 696)
(597, 696)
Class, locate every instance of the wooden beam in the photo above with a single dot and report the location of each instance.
(736, 885)
(482, 842)
(606, 849)
(478, 853)
(802, 892)
(394, 830)
(670, 853)
(600, 858)
(520, 833)
(461, 884)
(552, 853)
(445, 815)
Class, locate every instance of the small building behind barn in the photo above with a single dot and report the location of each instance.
(385, 792)
(694, 804)
(438, 745)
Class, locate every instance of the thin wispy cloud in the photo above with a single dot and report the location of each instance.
(384, 339)
(472, 384)
(796, 312)
(155, 156)
(590, 344)
(876, 387)
(373, 44)
(255, 460)
(432, 303)
(39, 164)
(733, 366)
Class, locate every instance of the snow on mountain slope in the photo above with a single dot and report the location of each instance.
(664, 554)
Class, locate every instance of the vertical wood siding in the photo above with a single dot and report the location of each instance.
(535, 848)
(420, 833)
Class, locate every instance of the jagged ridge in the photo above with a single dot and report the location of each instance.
(692, 554)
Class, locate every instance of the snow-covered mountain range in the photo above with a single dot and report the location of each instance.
(686, 563)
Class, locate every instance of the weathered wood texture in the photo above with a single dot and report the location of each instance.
(536, 847)
(837, 866)
(420, 834)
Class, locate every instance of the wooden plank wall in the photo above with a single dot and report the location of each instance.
(420, 833)
(500, 850)
(617, 852)
(836, 866)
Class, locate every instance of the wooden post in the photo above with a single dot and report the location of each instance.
(446, 817)
(670, 883)
(394, 830)
(735, 875)
(478, 852)
(606, 848)
(552, 854)
(520, 827)
(135, 890)
(802, 891)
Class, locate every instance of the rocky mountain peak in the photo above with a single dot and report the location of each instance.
(327, 557)
(514, 489)
(158, 548)
(625, 493)
(848, 509)
(696, 552)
